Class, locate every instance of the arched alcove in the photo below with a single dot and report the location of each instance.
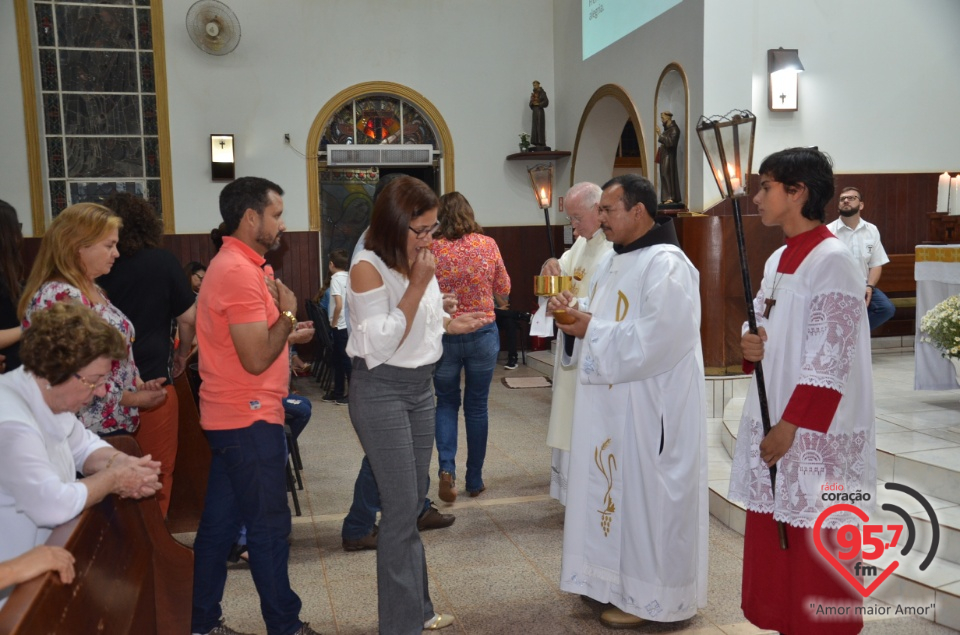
(673, 96)
(357, 91)
(598, 134)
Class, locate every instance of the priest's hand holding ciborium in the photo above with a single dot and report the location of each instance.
(567, 313)
(557, 288)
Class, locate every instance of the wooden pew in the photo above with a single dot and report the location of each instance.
(897, 281)
(192, 466)
(132, 576)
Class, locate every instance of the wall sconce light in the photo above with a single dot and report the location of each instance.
(222, 165)
(783, 65)
(541, 179)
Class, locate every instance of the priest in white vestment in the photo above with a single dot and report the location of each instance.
(579, 262)
(635, 531)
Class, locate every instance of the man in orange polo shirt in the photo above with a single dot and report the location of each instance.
(244, 318)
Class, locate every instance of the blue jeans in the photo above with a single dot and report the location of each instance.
(476, 355)
(247, 486)
(392, 411)
(362, 517)
(880, 309)
(297, 410)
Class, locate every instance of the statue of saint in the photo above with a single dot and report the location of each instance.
(538, 134)
(668, 139)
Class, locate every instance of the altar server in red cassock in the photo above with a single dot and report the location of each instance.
(815, 345)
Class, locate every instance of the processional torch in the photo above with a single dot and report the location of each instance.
(728, 143)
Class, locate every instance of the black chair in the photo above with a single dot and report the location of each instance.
(293, 468)
(323, 370)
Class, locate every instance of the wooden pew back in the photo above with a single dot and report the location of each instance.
(132, 577)
(898, 283)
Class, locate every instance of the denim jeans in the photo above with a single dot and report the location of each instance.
(880, 309)
(475, 354)
(392, 411)
(297, 410)
(341, 362)
(362, 517)
(247, 486)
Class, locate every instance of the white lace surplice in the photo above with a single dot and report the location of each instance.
(817, 336)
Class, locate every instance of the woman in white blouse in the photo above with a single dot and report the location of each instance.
(396, 325)
(67, 355)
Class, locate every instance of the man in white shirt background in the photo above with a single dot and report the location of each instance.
(863, 241)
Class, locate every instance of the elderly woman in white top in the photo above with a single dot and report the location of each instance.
(396, 326)
(67, 355)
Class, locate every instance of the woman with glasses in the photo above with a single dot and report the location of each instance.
(67, 356)
(79, 246)
(469, 265)
(397, 321)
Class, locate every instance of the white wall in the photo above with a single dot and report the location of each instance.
(879, 92)
(473, 60)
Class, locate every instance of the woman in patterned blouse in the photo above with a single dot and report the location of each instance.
(468, 265)
(79, 246)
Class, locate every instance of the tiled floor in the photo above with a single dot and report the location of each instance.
(497, 568)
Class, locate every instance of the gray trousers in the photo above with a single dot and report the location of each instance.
(392, 410)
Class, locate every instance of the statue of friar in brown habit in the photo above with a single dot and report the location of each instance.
(538, 132)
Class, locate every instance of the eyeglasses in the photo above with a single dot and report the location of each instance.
(574, 220)
(88, 384)
(844, 199)
(426, 231)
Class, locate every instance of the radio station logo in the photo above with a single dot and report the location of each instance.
(874, 539)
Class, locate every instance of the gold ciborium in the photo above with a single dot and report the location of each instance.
(549, 286)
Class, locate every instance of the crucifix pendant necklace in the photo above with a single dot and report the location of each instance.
(770, 302)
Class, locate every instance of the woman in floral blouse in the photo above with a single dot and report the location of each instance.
(79, 246)
(468, 265)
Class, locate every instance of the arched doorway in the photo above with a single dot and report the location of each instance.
(443, 140)
(602, 123)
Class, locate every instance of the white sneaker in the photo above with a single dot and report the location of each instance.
(511, 365)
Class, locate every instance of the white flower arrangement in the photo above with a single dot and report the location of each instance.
(525, 139)
(941, 327)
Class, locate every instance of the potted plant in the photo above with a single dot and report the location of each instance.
(524, 141)
(941, 327)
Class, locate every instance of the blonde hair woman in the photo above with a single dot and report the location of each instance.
(79, 246)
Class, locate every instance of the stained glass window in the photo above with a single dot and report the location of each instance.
(379, 119)
(98, 97)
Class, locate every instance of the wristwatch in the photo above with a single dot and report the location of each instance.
(292, 318)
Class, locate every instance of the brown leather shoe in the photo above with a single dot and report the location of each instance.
(367, 542)
(448, 489)
(433, 519)
(613, 617)
(476, 492)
